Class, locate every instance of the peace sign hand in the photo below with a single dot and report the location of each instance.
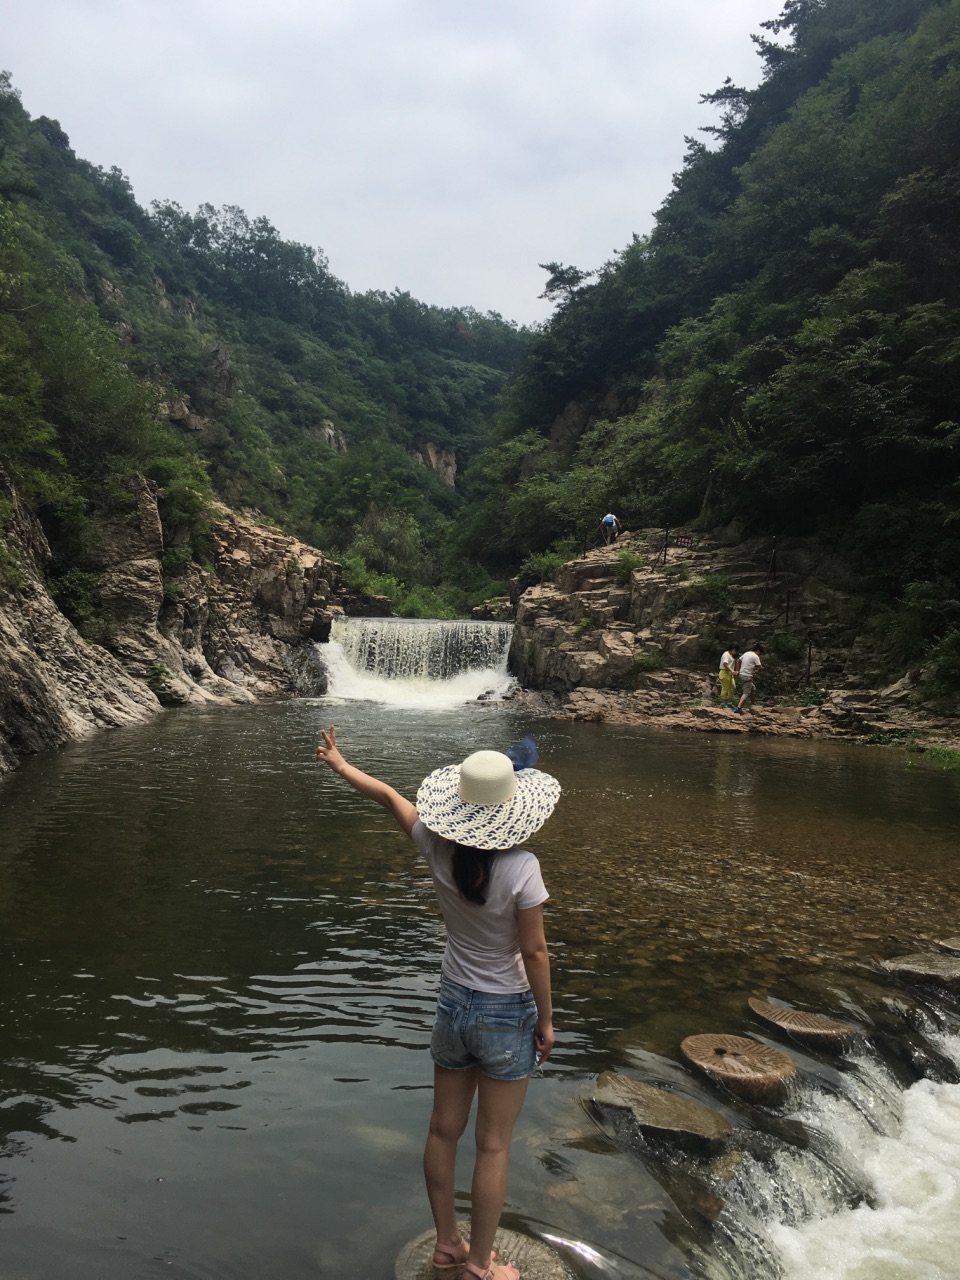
(327, 752)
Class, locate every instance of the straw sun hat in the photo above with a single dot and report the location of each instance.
(486, 802)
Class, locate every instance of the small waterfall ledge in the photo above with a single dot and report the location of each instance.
(414, 662)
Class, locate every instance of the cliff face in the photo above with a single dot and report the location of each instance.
(54, 687)
(224, 634)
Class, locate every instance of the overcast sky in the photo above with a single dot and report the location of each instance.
(434, 146)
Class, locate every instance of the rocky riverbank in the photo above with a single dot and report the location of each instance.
(227, 633)
(633, 635)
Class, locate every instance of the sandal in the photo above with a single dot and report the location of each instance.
(448, 1263)
(493, 1272)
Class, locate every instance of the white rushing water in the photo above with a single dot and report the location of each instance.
(417, 663)
(912, 1232)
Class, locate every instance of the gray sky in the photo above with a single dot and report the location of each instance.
(437, 146)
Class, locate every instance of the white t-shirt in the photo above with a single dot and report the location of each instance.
(483, 942)
(748, 665)
(727, 660)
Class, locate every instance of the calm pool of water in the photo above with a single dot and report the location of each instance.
(218, 969)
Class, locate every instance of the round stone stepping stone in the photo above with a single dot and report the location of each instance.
(749, 1069)
(809, 1028)
(533, 1259)
(662, 1114)
(926, 967)
(950, 946)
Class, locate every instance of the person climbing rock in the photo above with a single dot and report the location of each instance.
(610, 527)
(750, 664)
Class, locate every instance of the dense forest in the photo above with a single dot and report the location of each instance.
(213, 356)
(780, 354)
(783, 350)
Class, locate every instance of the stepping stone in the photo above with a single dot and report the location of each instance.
(751, 1070)
(809, 1028)
(662, 1114)
(533, 1259)
(950, 946)
(926, 967)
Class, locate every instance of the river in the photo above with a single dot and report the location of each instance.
(218, 969)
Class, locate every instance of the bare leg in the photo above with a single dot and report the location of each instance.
(452, 1098)
(497, 1110)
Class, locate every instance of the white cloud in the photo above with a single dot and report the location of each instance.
(431, 145)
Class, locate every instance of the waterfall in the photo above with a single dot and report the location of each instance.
(424, 663)
(872, 1194)
(910, 1225)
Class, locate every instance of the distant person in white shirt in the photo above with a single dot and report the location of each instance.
(750, 664)
(610, 526)
(727, 677)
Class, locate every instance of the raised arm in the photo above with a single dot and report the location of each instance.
(402, 811)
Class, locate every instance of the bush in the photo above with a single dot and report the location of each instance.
(624, 564)
(712, 589)
(787, 645)
(681, 571)
(12, 575)
(812, 697)
(538, 567)
(944, 757)
(422, 602)
(75, 595)
(649, 660)
(643, 663)
(158, 678)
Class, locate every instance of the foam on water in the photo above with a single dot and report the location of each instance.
(913, 1230)
(430, 665)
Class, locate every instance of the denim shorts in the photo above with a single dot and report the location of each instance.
(489, 1030)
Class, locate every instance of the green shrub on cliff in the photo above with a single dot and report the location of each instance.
(711, 590)
(624, 563)
(787, 645)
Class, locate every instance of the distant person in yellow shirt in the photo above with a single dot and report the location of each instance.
(728, 676)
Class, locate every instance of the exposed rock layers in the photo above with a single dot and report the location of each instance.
(54, 686)
(226, 633)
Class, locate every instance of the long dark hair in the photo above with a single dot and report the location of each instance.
(471, 872)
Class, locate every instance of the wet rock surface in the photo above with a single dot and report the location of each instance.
(658, 1113)
(926, 967)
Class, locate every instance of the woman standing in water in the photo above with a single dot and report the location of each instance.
(494, 1020)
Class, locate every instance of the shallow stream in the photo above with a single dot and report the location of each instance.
(218, 969)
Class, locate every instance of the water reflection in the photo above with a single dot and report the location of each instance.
(218, 971)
